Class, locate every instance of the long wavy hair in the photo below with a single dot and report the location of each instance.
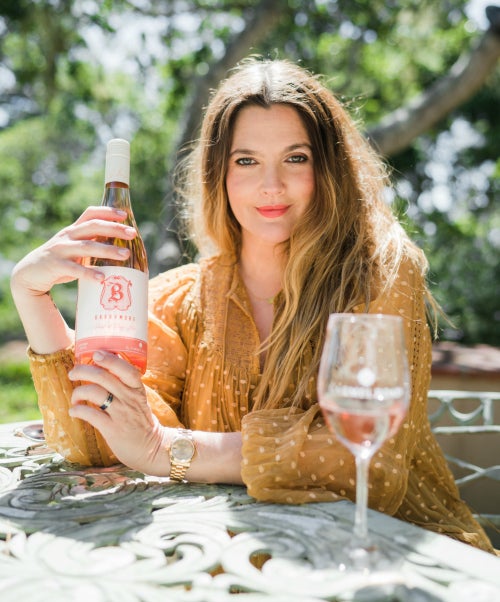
(345, 250)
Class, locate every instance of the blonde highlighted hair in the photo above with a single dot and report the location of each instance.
(346, 249)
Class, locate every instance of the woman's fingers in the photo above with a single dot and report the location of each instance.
(108, 367)
(100, 212)
(114, 364)
(62, 255)
(97, 418)
(93, 393)
(109, 374)
(85, 237)
(59, 259)
(75, 251)
(98, 229)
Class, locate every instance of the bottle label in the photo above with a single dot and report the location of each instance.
(115, 307)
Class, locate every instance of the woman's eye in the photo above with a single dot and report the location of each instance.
(297, 159)
(245, 161)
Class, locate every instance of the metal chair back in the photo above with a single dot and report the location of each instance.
(467, 426)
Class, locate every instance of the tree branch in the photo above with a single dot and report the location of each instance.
(262, 21)
(397, 130)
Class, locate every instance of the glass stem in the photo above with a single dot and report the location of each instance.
(360, 524)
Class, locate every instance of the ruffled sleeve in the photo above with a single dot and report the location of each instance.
(292, 457)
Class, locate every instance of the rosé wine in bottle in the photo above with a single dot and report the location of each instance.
(112, 315)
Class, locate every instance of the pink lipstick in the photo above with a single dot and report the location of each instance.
(273, 210)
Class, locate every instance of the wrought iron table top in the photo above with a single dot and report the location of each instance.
(69, 533)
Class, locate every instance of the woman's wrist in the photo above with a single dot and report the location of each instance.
(43, 324)
(20, 291)
(216, 459)
(158, 462)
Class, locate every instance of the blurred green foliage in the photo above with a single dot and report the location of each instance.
(79, 73)
(17, 395)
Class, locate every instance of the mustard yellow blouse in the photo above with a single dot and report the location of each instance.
(203, 365)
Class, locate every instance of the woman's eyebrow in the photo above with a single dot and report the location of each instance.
(242, 151)
(292, 147)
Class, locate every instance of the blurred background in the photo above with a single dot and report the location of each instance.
(421, 77)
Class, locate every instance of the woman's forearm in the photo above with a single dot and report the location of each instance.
(45, 328)
(217, 458)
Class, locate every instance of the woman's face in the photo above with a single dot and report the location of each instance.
(270, 177)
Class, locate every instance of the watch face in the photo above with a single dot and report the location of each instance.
(182, 449)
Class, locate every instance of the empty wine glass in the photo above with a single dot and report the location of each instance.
(364, 391)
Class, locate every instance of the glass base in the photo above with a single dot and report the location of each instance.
(365, 556)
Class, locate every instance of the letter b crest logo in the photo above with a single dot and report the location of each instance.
(115, 293)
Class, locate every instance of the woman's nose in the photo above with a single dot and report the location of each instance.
(272, 181)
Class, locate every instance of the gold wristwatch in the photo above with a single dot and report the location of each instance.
(182, 450)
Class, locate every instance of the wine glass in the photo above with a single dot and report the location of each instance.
(364, 391)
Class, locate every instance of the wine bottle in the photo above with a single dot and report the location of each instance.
(112, 315)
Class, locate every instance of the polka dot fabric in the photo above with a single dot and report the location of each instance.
(203, 366)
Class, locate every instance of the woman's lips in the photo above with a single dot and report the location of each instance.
(273, 210)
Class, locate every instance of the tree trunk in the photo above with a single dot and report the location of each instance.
(398, 129)
(261, 22)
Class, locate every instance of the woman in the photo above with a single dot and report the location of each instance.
(287, 207)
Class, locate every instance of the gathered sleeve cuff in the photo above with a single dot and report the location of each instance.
(290, 456)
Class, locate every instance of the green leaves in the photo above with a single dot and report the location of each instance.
(81, 76)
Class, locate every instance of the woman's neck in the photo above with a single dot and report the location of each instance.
(261, 269)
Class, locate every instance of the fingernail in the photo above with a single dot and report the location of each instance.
(98, 356)
(129, 230)
(121, 213)
(99, 276)
(123, 252)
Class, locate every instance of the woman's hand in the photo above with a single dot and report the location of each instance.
(129, 427)
(60, 258)
(132, 431)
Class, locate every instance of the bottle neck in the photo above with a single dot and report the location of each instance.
(117, 195)
(114, 184)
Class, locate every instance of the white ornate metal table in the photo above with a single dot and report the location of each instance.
(68, 533)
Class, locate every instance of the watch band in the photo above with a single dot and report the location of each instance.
(182, 450)
(177, 470)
